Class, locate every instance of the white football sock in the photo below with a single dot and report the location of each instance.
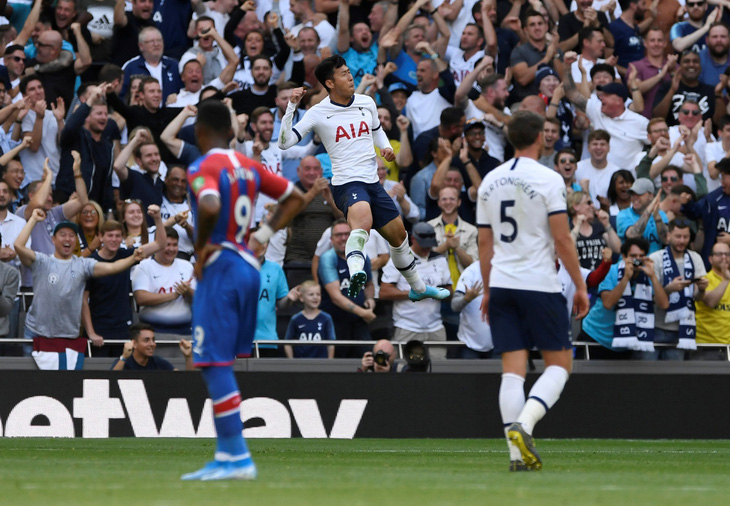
(353, 250)
(405, 262)
(543, 396)
(511, 402)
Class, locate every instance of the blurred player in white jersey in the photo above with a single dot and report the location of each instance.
(348, 126)
(522, 220)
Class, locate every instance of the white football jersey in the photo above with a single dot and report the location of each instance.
(461, 67)
(515, 200)
(347, 134)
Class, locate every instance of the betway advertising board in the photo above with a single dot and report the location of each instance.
(349, 405)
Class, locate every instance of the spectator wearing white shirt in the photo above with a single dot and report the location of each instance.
(418, 321)
(607, 111)
(716, 151)
(474, 332)
(426, 103)
(597, 169)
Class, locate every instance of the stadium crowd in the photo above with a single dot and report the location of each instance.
(99, 101)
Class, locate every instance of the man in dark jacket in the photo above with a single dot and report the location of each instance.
(87, 131)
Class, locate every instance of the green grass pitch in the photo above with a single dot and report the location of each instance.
(365, 471)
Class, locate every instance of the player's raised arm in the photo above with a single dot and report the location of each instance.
(288, 135)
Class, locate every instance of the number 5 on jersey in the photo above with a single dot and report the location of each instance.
(505, 218)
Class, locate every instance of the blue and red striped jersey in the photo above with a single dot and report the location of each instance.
(237, 181)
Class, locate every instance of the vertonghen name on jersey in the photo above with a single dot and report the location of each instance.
(515, 181)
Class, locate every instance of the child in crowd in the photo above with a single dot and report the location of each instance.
(310, 324)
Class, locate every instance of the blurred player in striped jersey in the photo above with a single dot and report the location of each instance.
(224, 185)
(349, 127)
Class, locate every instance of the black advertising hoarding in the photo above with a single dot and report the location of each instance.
(348, 405)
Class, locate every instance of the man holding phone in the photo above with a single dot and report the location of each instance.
(681, 272)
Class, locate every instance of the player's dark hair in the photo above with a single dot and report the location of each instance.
(524, 128)
(640, 242)
(27, 79)
(136, 329)
(621, 173)
(451, 116)
(214, 115)
(326, 68)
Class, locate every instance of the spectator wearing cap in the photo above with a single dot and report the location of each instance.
(54, 317)
(607, 111)
(714, 210)
(39, 194)
(152, 62)
(687, 86)
(192, 72)
(418, 321)
(690, 126)
(556, 106)
(474, 157)
(643, 218)
(400, 93)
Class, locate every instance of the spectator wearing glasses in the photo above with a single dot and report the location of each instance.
(14, 60)
(693, 137)
(663, 155)
(152, 62)
(713, 316)
(566, 164)
(691, 34)
(686, 85)
(714, 210)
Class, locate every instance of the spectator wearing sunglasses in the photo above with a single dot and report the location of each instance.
(693, 136)
(565, 164)
(684, 86)
(716, 151)
(663, 155)
(14, 60)
(691, 34)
